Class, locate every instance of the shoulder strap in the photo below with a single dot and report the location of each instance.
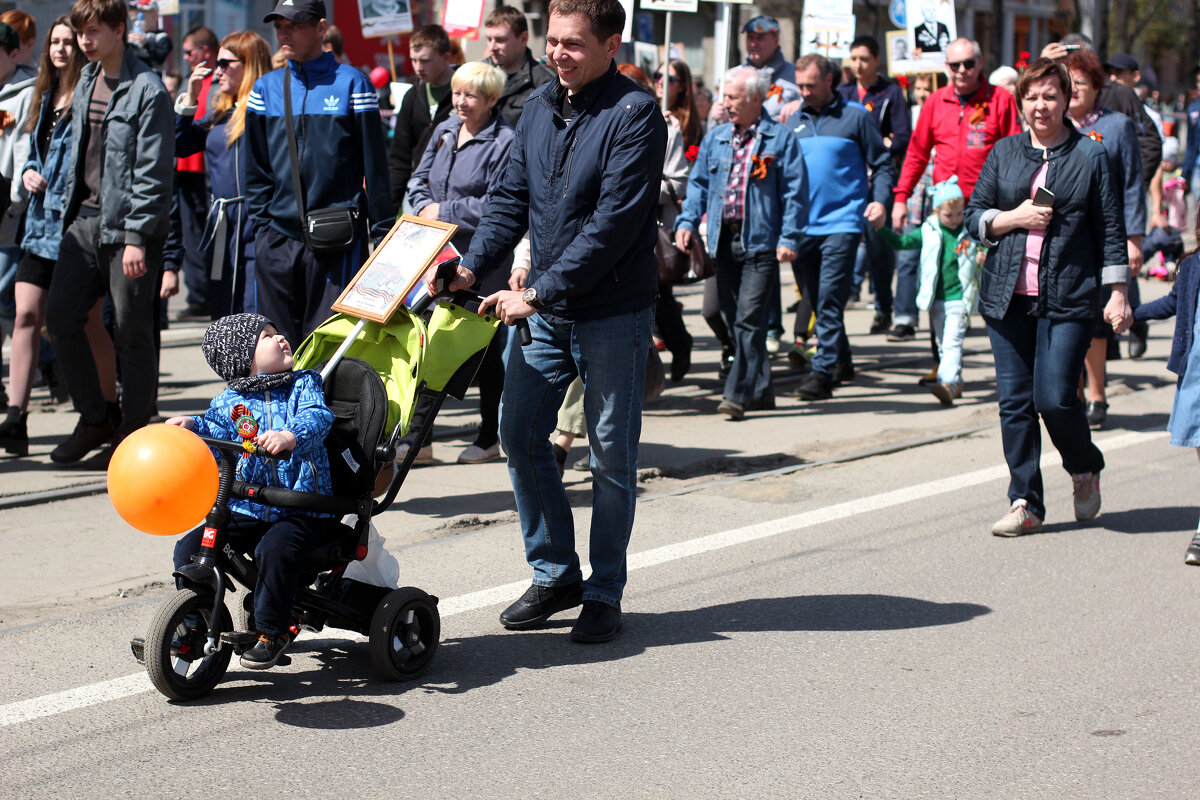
(290, 125)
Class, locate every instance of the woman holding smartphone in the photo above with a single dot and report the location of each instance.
(1040, 289)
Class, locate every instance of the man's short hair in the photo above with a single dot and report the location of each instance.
(107, 12)
(201, 36)
(869, 42)
(23, 24)
(974, 46)
(488, 80)
(333, 37)
(750, 79)
(514, 18)
(434, 36)
(607, 16)
(825, 67)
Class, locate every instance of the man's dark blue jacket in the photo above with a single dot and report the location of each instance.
(587, 193)
(340, 141)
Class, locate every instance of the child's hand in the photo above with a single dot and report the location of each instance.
(183, 422)
(275, 442)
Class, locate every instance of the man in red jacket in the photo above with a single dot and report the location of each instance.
(962, 120)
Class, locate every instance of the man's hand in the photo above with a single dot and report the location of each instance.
(875, 214)
(718, 115)
(34, 182)
(430, 211)
(463, 279)
(510, 306)
(683, 239)
(1054, 51)
(784, 254)
(133, 262)
(1117, 312)
(275, 442)
(788, 109)
(170, 284)
(517, 278)
(899, 215)
(1136, 259)
(183, 422)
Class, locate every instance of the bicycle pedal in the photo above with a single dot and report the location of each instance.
(243, 639)
(138, 645)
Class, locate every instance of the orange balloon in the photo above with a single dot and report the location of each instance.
(162, 480)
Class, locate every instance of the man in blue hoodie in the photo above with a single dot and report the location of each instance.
(340, 150)
(841, 142)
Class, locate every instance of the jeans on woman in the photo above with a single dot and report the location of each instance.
(1038, 363)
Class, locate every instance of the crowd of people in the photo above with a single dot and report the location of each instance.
(259, 181)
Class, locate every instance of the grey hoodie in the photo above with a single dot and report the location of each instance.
(15, 147)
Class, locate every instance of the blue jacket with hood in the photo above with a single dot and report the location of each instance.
(339, 139)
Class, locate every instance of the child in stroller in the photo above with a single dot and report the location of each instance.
(280, 411)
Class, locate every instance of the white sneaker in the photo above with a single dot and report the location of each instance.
(424, 455)
(1087, 495)
(1017, 522)
(475, 454)
(773, 344)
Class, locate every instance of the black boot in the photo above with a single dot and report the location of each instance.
(14, 433)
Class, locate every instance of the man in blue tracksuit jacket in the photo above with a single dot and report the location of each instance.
(850, 176)
(340, 146)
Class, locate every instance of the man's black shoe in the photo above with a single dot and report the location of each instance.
(83, 440)
(902, 333)
(1138, 332)
(843, 372)
(598, 622)
(815, 386)
(680, 364)
(881, 323)
(266, 652)
(539, 603)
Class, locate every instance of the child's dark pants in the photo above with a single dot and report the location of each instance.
(278, 548)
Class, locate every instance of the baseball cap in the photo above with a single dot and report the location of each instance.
(297, 10)
(761, 24)
(1122, 61)
(8, 37)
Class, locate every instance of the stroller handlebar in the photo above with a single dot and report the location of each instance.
(244, 447)
(446, 273)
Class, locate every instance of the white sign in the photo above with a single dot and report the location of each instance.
(384, 17)
(931, 28)
(462, 16)
(828, 30)
(670, 5)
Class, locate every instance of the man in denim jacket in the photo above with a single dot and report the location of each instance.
(749, 177)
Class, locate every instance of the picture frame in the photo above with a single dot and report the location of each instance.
(900, 59)
(394, 268)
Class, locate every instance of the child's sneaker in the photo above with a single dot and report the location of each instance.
(947, 393)
(266, 652)
(1087, 495)
(1018, 521)
(1192, 556)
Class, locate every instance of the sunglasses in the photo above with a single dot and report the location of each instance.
(967, 65)
(226, 63)
(658, 76)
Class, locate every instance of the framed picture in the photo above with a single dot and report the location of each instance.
(394, 268)
(900, 57)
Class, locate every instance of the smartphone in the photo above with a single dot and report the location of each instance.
(1070, 46)
(1043, 197)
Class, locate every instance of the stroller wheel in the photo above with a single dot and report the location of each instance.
(174, 649)
(405, 630)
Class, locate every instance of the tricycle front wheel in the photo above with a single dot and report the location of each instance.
(175, 643)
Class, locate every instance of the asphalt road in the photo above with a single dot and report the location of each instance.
(808, 615)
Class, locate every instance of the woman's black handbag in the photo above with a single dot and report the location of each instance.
(674, 265)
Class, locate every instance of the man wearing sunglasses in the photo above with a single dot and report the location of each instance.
(962, 121)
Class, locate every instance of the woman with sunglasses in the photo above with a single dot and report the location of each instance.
(44, 177)
(1045, 207)
(243, 57)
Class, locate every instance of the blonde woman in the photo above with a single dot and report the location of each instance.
(217, 131)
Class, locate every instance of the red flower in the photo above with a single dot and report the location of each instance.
(691, 153)
(1023, 55)
(902, 80)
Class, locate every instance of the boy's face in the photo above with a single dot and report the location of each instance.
(272, 353)
(98, 41)
(950, 214)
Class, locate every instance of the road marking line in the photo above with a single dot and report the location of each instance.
(138, 682)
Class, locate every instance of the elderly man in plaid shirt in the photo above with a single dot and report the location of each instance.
(749, 177)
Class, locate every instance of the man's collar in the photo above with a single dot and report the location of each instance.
(584, 96)
(833, 101)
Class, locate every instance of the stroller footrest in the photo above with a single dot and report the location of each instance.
(243, 639)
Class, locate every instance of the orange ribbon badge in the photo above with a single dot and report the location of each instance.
(775, 91)
(979, 114)
(760, 167)
(1096, 136)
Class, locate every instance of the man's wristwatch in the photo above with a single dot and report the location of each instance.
(530, 296)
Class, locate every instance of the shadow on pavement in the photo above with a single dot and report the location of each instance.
(343, 692)
(1171, 519)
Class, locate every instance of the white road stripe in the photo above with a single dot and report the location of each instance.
(138, 682)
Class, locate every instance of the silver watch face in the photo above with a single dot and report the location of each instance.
(530, 295)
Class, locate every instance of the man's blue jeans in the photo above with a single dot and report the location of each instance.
(610, 356)
(826, 266)
(908, 267)
(747, 286)
(1038, 363)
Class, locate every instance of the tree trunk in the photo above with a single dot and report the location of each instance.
(996, 45)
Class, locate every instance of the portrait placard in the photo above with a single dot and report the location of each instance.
(395, 267)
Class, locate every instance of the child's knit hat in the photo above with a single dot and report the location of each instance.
(946, 190)
(229, 344)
